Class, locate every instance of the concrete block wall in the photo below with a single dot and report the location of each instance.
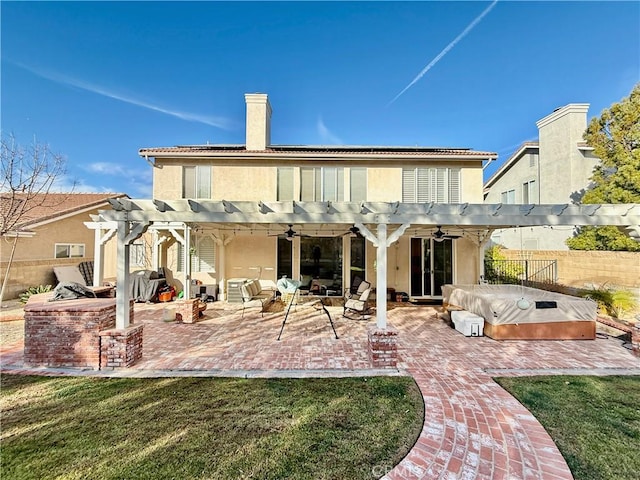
(578, 268)
(32, 273)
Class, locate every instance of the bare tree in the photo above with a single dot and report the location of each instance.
(28, 174)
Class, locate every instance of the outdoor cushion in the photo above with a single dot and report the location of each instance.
(287, 285)
(246, 294)
(68, 273)
(254, 288)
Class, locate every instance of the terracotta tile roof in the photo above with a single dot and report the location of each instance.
(43, 207)
(355, 150)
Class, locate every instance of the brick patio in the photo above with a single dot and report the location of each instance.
(472, 429)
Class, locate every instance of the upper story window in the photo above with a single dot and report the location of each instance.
(322, 184)
(358, 184)
(440, 185)
(508, 197)
(69, 250)
(285, 184)
(196, 181)
(529, 192)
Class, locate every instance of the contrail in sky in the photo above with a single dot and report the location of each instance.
(446, 49)
(218, 122)
(326, 134)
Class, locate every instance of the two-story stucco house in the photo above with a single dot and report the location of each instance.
(330, 176)
(555, 169)
(405, 218)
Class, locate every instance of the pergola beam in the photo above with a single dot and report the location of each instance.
(485, 215)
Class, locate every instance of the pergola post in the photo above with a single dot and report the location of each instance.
(122, 277)
(98, 259)
(381, 277)
(186, 256)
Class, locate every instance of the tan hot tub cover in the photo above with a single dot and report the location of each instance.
(548, 315)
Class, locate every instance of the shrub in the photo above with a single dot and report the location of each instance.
(34, 291)
(614, 302)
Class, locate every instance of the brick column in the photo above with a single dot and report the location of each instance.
(383, 346)
(635, 339)
(120, 348)
(187, 311)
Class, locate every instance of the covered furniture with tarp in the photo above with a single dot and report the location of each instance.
(82, 275)
(514, 312)
(145, 286)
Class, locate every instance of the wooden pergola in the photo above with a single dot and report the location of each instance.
(381, 223)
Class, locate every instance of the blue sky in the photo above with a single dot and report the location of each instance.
(99, 80)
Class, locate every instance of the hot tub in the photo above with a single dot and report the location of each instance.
(513, 312)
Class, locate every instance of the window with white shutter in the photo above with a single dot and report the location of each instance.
(422, 185)
(203, 256)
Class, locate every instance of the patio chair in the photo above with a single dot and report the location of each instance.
(353, 292)
(251, 298)
(357, 303)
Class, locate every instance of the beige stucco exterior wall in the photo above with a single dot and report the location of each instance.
(244, 183)
(564, 169)
(579, 268)
(471, 185)
(167, 181)
(384, 184)
(42, 245)
(245, 253)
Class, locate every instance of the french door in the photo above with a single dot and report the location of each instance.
(431, 266)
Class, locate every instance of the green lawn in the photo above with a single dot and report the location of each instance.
(213, 428)
(595, 421)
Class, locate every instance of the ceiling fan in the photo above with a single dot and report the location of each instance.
(439, 235)
(289, 234)
(353, 231)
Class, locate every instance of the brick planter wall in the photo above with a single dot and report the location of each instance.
(66, 333)
(383, 347)
(120, 348)
(635, 339)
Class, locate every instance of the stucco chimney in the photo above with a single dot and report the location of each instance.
(258, 121)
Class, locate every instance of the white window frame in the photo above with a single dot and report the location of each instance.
(319, 187)
(529, 192)
(70, 247)
(508, 197)
(137, 254)
(201, 187)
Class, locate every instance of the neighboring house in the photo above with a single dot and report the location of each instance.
(554, 170)
(332, 177)
(50, 232)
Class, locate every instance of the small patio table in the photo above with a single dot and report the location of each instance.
(318, 305)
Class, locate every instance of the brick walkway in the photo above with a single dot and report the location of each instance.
(473, 429)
